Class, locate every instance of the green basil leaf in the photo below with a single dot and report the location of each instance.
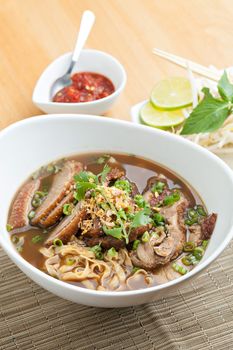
(208, 116)
(225, 88)
(114, 232)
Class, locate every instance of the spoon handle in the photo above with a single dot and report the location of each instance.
(87, 21)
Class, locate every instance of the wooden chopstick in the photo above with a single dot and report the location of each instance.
(195, 67)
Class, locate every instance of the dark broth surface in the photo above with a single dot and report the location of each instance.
(137, 169)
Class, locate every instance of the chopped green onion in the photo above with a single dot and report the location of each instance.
(205, 243)
(99, 256)
(145, 237)
(67, 208)
(189, 260)
(112, 252)
(97, 250)
(15, 239)
(200, 210)
(36, 202)
(198, 252)
(190, 222)
(172, 198)
(9, 227)
(189, 246)
(123, 185)
(136, 244)
(31, 214)
(192, 213)
(135, 269)
(37, 239)
(155, 235)
(103, 159)
(57, 242)
(140, 201)
(179, 268)
(70, 261)
(40, 194)
(158, 187)
(50, 168)
(19, 249)
(158, 219)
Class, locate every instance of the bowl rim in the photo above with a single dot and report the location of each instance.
(9, 249)
(90, 103)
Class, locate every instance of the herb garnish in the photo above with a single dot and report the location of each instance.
(142, 218)
(211, 112)
(37, 239)
(115, 232)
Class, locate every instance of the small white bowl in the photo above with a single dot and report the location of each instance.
(36, 141)
(89, 61)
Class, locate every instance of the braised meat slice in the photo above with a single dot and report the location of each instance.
(203, 230)
(48, 213)
(22, 205)
(113, 175)
(138, 231)
(208, 225)
(68, 226)
(150, 255)
(96, 230)
(106, 242)
(150, 194)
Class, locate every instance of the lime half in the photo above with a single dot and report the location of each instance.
(172, 93)
(160, 119)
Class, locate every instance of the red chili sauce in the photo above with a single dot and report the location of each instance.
(85, 87)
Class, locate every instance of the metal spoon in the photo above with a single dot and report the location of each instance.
(87, 21)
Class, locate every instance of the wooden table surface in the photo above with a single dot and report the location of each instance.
(35, 32)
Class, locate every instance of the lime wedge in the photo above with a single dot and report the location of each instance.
(172, 93)
(158, 118)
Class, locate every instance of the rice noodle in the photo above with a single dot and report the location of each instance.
(111, 273)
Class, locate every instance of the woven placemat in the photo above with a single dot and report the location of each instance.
(199, 317)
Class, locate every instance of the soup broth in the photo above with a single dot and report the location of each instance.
(109, 222)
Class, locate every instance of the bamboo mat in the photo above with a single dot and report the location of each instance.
(199, 317)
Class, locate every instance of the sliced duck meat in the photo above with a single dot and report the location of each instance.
(61, 187)
(106, 242)
(68, 226)
(138, 231)
(208, 225)
(113, 175)
(203, 230)
(22, 205)
(176, 226)
(149, 256)
(96, 230)
(134, 190)
(155, 196)
(119, 174)
(195, 234)
(144, 256)
(167, 273)
(55, 215)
